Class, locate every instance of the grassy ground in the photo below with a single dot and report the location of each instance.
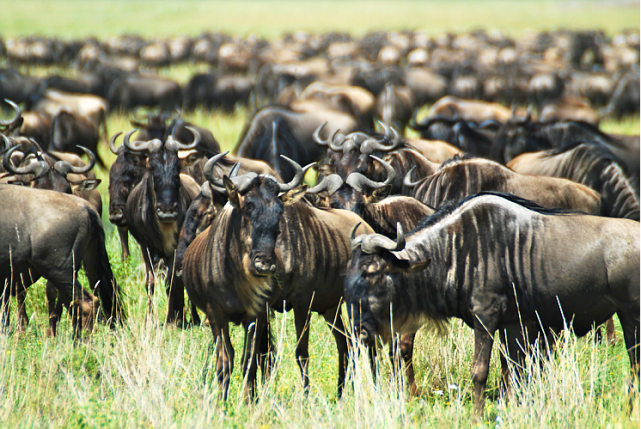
(158, 376)
(104, 18)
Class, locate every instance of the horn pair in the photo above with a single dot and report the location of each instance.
(243, 182)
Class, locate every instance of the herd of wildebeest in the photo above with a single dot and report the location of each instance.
(520, 220)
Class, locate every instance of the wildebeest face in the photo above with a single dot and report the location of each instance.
(164, 170)
(123, 176)
(372, 285)
(262, 210)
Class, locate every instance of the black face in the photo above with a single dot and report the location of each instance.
(263, 210)
(515, 139)
(123, 176)
(369, 293)
(164, 170)
(347, 198)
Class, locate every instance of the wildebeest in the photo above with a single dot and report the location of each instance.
(394, 106)
(521, 135)
(592, 165)
(469, 110)
(275, 131)
(459, 178)
(133, 90)
(68, 131)
(33, 248)
(266, 247)
(370, 200)
(154, 213)
(498, 262)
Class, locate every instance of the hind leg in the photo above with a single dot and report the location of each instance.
(630, 325)
(23, 319)
(335, 323)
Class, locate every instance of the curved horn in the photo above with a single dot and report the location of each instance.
(352, 232)
(112, 143)
(298, 176)
(15, 118)
(139, 146)
(335, 143)
(208, 172)
(407, 180)
(235, 169)
(38, 168)
(174, 145)
(358, 181)
(371, 145)
(371, 243)
(205, 189)
(329, 183)
(7, 142)
(64, 168)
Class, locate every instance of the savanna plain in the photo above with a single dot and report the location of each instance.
(154, 375)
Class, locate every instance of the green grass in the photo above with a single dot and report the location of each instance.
(102, 18)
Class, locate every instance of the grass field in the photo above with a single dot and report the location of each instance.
(104, 18)
(162, 377)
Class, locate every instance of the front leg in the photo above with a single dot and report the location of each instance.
(175, 295)
(301, 317)
(335, 323)
(150, 281)
(123, 233)
(23, 319)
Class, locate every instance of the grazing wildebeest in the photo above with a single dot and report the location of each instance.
(467, 136)
(154, 213)
(50, 234)
(592, 165)
(267, 248)
(469, 110)
(370, 200)
(462, 177)
(498, 262)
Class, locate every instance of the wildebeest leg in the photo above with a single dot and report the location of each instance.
(224, 349)
(610, 333)
(23, 319)
(175, 295)
(483, 341)
(253, 333)
(631, 334)
(405, 345)
(150, 282)
(302, 346)
(266, 351)
(335, 323)
(123, 233)
(51, 292)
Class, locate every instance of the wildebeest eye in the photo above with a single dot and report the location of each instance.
(249, 207)
(333, 205)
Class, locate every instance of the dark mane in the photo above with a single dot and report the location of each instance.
(595, 150)
(450, 206)
(456, 158)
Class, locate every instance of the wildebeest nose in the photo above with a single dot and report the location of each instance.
(263, 265)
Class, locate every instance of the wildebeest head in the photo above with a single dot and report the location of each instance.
(514, 138)
(350, 153)
(163, 173)
(260, 201)
(372, 281)
(355, 193)
(126, 171)
(35, 171)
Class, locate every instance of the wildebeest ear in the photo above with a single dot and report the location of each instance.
(188, 157)
(380, 193)
(292, 196)
(85, 185)
(232, 192)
